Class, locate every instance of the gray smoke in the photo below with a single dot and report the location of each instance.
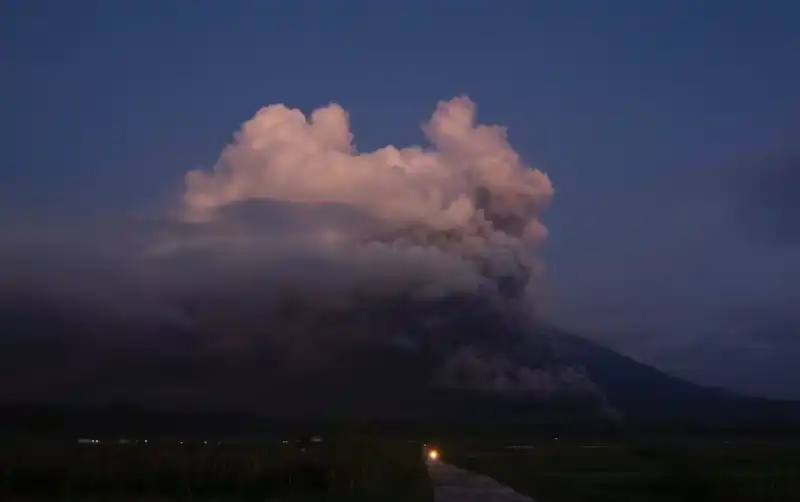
(469, 367)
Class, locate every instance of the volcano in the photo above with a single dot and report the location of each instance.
(456, 358)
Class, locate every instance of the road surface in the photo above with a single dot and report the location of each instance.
(451, 484)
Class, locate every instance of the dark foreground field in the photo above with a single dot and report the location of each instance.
(333, 470)
(653, 471)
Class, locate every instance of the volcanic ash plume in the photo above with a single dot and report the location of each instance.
(461, 215)
(296, 253)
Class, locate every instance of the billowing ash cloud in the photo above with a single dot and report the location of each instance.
(465, 210)
(297, 247)
(468, 367)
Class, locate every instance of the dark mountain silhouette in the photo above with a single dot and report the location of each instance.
(646, 393)
(53, 364)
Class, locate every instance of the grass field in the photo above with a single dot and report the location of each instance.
(688, 470)
(337, 469)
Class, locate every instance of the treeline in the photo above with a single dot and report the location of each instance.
(56, 422)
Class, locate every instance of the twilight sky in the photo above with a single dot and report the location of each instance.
(669, 131)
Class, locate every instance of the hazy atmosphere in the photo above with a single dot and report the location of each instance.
(628, 171)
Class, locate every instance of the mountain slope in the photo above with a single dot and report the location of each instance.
(454, 359)
(644, 392)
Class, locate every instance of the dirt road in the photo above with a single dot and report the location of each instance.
(452, 484)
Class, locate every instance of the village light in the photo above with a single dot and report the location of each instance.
(433, 455)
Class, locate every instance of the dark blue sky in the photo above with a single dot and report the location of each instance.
(645, 115)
